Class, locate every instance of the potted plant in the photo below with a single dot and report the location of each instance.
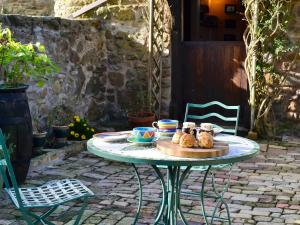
(79, 129)
(19, 64)
(39, 134)
(59, 119)
(139, 114)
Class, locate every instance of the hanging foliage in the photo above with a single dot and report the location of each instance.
(270, 56)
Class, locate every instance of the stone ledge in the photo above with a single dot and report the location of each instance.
(52, 156)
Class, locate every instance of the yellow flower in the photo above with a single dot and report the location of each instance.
(72, 132)
(71, 125)
(83, 137)
(76, 135)
(87, 128)
(78, 119)
(84, 125)
(75, 117)
(92, 130)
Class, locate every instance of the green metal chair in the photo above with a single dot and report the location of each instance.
(48, 196)
(234, 120)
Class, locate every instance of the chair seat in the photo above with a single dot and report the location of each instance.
(50, 194)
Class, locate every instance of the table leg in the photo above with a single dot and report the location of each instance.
(137, 215)
(163, 202)
(170, 204)
(182, 178)
(218, 196)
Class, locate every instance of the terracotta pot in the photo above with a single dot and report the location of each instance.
(141, 119)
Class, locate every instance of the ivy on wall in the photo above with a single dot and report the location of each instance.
(271, 55)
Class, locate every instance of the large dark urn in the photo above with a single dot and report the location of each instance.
(15, 121)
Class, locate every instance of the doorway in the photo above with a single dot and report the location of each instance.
(212, 53)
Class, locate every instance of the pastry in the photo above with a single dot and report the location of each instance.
(207, 127)
(177, 136)
(205, 140)
(196, 144)
(187, 141)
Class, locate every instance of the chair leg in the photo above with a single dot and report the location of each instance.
(33, 219)
(46, 222)
(42, 219)
(28, 217)
(48, 213)
(80, 213)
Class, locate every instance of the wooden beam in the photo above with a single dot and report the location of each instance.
(176, 106)
(87, 8)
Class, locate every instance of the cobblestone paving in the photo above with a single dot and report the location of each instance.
(263, 191)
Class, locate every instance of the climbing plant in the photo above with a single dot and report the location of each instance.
(270, 57)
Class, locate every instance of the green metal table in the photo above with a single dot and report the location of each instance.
(169, 210)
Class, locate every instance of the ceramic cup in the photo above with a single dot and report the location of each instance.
(144, 134)
(166, 125)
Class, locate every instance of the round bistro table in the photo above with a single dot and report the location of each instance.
(239, 149)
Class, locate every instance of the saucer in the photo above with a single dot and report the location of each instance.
(132, 140)
(112, 136)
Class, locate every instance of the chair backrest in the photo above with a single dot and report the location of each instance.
(234, 120)
(6, 169)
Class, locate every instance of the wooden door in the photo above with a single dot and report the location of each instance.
(214, 71)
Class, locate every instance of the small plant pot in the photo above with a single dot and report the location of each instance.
(252, 135)
(38, 140)
(61, 133)
(141, 119)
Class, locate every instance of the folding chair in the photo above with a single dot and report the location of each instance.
(234, 120)
(48, 196)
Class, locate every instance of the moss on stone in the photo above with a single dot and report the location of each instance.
(125, 15)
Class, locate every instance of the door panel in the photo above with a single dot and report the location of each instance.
(213, 71)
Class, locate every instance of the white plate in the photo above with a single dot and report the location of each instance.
(132, 140)
(113, 136)
(218, 130)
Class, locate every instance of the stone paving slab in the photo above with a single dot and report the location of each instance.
(263, 191)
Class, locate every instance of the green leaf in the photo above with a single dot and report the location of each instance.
(20, 61)
(40, 83)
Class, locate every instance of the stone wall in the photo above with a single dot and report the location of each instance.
(103, 65)
(128, 16)
(28, 7)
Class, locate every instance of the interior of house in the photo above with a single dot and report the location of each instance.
(213, 20)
